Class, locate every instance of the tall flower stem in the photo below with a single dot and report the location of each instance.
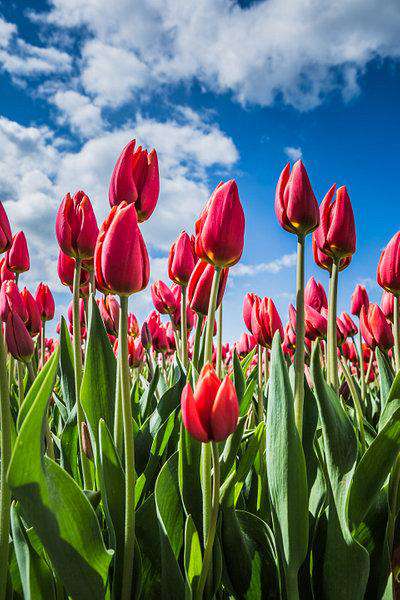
(20, 371)
(211, 316)
(260, 404)
(5, 496)
(92, 283)
(219, 342)
(361, 359)
(371, 360)
(396, 333)
(197, 340)
(300, 333)
(118, 419)
(129, 448)
(76, 325)
(356, 400)
(207, 558)
(42, 342)
(333, 378)
(184, 340)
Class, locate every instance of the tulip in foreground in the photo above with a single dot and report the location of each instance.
(359, 298)
(19, 342)
(375, 328)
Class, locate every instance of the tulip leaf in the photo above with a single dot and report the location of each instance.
(69, 447)
(148, 537)
(193, 559)
(386, 375)
(343, 554)
(287, 480)
(59, 511)
(98, 383)
(169, 401)
(238, 377)
(392, 402)
(189, 477)
(67, 378)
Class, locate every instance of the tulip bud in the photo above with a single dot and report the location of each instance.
(109, 311)
(5, 273)
(359, 298)
(133, 325)
(314, 295)
(19, 342)
(212, 411)
(324, 261)
(76, 226)
(181, 260)
(348, 327)
(388, 274)
(248, 303)
(66, 268)
(145, 336)
(199, 287)
(220, 228)
(315, 322)
(11, 301)
(163, 298)
(265, 321)
(387, 305)
(375, 328)
(245, 345)
(33, 322)
(296, 207)
(336, 235)
(135, 179)
(45, 302)
(5, 231)
(121, 261)
(18, 255)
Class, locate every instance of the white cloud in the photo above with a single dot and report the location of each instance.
(79, 112)
(274, 266)
(293, 153)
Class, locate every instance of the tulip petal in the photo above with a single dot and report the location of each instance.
(190, 417)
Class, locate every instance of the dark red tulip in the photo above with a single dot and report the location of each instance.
(163, 298)
(109, 310)
(245, 344)
(265, 321)
(220, 228)
(248, 303)
(199, 287)
(11, 301)
(388, 274)
(212, 411)
(316, 324)
(33, 321)
(121, 261)
(45, 302)
(159, 338)
(66, 268)
(18, 254)
(5, 231)
(76, 226)
(314, 295)
(5, 273)
(387, 305)
(145, 336)
(135, 179)
(296, 207)
(133, 326)
(375, 328)
(336, 234)
(19, 342)
(181, 260)
(347, 327)
(359, 298)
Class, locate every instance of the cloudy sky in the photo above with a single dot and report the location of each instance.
(221, 89)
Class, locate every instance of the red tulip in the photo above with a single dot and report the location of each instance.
(265, 321)
(324, 261)
(135, 180)
(18, 255)
(135, 351)
(133, 326)
(199, 287)
(348, 327)
(76, 226)
(145, 336)
(19, 342)
(121, 261)
(296, 207)
(248, 303)
(314, 295)
(159, 338)
(220, 228)
(359, 298)
(5, 273)
(245, 344)
(336, 235)
(387, 305)
(163, 298)
(66, 268)
(349, 351)
(109, 311)
(33, 322)
(5, 231)
(289, 339)
(316, 324)
(388, 274)
(11, 301)
(181, 260)
(375, 328)
(45, 302)
(212, 411)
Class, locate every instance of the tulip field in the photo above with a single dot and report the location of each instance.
(155, 460)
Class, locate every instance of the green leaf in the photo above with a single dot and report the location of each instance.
(386, 375)
(392, 403)
(238, 377)
(148, 537)
(168, 402)
(67, 378)
(189, 477)
(287, 480)
(343, 554)
(53, 503)
(98, 383)
(193, 559)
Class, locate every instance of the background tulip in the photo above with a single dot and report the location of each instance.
(375, 328)
(181, 259)
(388, 274)
(76, 226)
(18, 254)
(163, 298)
(314, 295)
(265, 321)
(33, 321)
(199, 287)
(65, 270)
(11, 301)
(45, 302)
(359, 298)
(5, 231)
(387, 305)
(18, 339)
(336, 234)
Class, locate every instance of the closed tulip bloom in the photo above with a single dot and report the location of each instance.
(133, 325)
(11, 301)
(5, 273)
(199, 287)
(33, 322)
(245, 344)
(145, 336)
(121, 261)
(349, 351)
(289, 338)
(210, 412)
(387, 305)
(109, 311)
(18, 254)
(296, 207)
(220, 228)
(265, 321)
(314, 295)
(45, 302)
(388, 274)
(324, 261)
(76, 226)
(19, 342)
(375, 328)
(248, 303)
(135, 179)
(5, 231)
(163, 298)
(359, 298)
(349, 328)
(316, 324)
(159, 339)
(181, 260)
(65, 270)
(336, 234)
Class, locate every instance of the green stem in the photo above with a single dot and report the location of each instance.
(356, 400)
(211, 316)
(197, 340)
(31, 372)
(92, 283)
(361, 359)
(396, 333)
(393, 497)
(300, 334)
(5, 496)
(118, 419)
(130, 478)
(20, 371)
(371, 359)
(184, 337)
(213, 522)
(260, 403)
(42, 342)
(292, 586)
(76, 325)
(266, 367)
(333, 378)
(219, 342)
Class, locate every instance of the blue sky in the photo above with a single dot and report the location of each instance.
(220, 89)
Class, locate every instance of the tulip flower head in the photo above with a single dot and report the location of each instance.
(375, 328)
(45, 302)
(324, 261)
(388, 274)
(336, 234)
(33, 321)
(163, 298)
(211, 412)
(182, 259)
(5, 273)
(19, 342)
(314, 295)
(5, 231)
(359, 298)
(265, 321)
(296, 207)
(66, 268)
(135, 180)
(109, 311)
(387, 305)
(199, 287)
(18, 255)
(76, 226)
(248, 303)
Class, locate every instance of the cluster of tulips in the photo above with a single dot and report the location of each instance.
(140, 460)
